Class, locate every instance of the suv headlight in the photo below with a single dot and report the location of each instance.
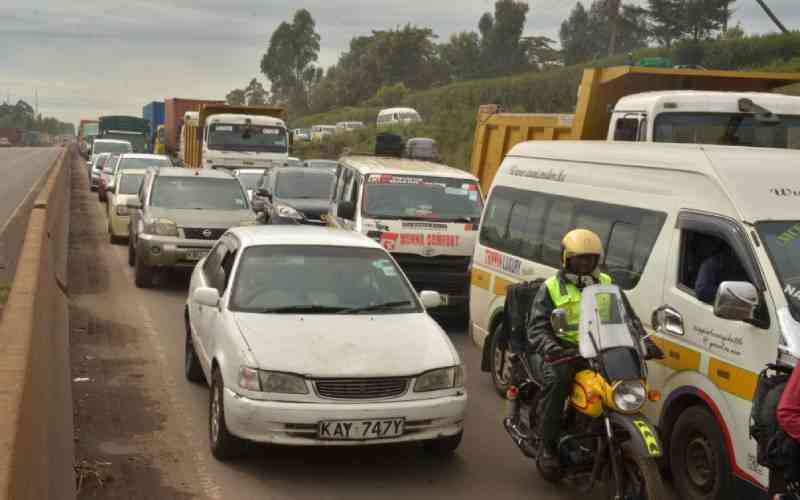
(161, 227)
(437, 380)
(274, 382)
(288, 212)
(629, 395)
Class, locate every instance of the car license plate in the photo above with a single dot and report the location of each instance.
(196, 254)
(355, 430)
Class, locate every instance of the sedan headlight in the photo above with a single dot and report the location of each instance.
(629, 395)
(443, 378)
(288, 212)
(161, 227)
(274, 382)
(122, 210)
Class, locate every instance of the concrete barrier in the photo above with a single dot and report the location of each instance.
(36, 427)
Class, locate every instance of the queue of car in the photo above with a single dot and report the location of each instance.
(282, 312)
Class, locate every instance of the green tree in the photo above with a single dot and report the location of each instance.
(502, 49)
(577, 41)
(236, 97)
(540, 52)
(666, 21)
(255, 94)
(461, 56)
(288, 62)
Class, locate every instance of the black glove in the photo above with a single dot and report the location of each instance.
(652, 351)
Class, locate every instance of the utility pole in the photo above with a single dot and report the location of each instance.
(773, 16)
(613, 19)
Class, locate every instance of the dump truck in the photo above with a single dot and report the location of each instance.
(635, 103)
(236, 137)
(175, 109)
(126, 128)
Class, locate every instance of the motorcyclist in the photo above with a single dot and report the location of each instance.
(581, 251)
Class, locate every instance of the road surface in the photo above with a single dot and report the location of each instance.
(20, 169)
(143, 428)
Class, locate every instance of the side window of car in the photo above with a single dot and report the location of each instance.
(355, 188)
(226, 270)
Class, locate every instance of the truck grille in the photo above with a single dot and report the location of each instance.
(196, 233)
(361, 388)
(443, 274)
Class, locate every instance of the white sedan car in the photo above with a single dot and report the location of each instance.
(314, 336)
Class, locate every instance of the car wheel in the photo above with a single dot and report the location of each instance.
(500, 362)
(194, 373)
(131, 253)
(224, 445)
(143, 273)
(698, 457)
(445, 446)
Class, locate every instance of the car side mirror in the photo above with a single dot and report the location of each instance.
(558, 320)
(346, 210)
(431, 299)
(206, 296)
(133, 203)
(736, 300)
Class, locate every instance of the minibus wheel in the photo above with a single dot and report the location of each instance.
(499, 358)
(698, 457)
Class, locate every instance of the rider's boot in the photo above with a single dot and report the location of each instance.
(549, 456)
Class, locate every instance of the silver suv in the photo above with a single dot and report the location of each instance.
(179, 214)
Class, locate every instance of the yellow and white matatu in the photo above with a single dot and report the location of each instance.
(663, 212)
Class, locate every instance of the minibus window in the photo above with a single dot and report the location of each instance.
(782, 240)
(706, 261)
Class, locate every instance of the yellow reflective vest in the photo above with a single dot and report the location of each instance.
(567, 296)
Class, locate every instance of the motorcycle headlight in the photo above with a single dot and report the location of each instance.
(437, 380)
(630, 395)
(288, 212)
(162, 227)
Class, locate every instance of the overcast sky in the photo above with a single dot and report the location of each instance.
(92, 57)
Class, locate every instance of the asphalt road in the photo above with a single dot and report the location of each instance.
(20, 169)
(140, 419)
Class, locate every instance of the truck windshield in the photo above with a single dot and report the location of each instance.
(729, 129)
(782, 240)
(195, 193)
(258, 138)
(422, 198)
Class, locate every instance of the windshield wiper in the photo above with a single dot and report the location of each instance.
(376, 307)
(310, 309)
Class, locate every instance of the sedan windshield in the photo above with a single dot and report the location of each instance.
(302, 279)
(126, 163)
(198, 193)
(249, 180)
(247, 138)
(418, 197)
(782, 240)
(111, 147)
(130, 183)
(730, 129)
(304, 185)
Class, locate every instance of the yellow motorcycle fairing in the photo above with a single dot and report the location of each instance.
(589, 389)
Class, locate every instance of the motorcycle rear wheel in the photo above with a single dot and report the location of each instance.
(641, 476)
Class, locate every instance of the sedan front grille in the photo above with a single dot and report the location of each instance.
(361, 388)
(202, 233)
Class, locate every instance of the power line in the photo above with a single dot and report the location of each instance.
(773, 16)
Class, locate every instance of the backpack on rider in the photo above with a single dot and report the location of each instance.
(764, 427)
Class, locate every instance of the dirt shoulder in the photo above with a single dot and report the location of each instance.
(129, 439)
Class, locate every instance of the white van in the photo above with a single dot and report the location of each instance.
(663, 212)
(397, 116)
(320, 132)
(343, 127)
(426, 214)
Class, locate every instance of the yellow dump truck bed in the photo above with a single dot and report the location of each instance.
(496, 132)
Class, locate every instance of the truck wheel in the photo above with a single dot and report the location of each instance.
(143, 273)
(500, 362)
(698, 457)
(444, 446)
(224, 445)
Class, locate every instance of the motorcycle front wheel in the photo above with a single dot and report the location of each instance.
(641, 478)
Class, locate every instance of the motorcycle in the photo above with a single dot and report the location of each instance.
(605, 439)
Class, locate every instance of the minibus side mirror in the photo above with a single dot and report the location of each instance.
(736, 300)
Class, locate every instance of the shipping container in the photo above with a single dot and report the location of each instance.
(154, 113)
(174, 109)
(14, 135)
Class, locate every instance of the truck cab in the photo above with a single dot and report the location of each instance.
(244, 141)
(706, 117)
